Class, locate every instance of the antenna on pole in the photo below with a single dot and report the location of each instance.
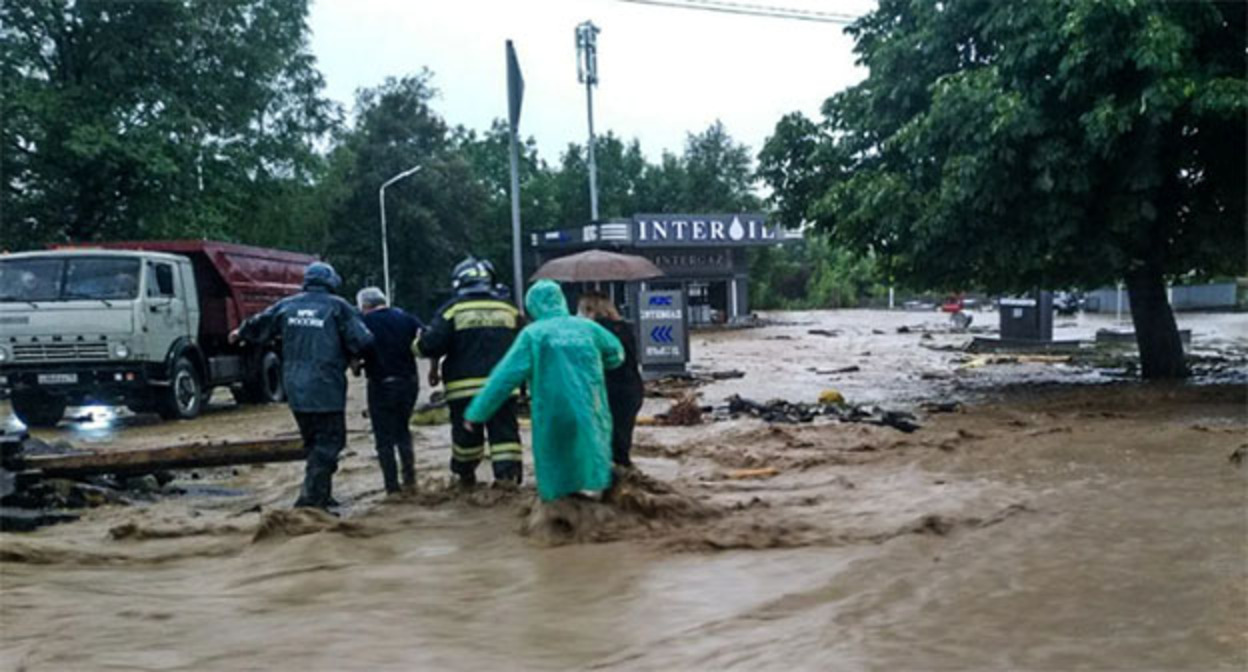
(587, 74)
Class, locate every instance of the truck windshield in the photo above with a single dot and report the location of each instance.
(61, 279)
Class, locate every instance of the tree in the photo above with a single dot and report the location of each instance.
(719, 173)
(434, 217)
(621, 168)
(490, 157)
(144, 119)
(713, 174)
(1013, 145)
(812, 274)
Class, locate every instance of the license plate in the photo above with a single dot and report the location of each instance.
(58, 378)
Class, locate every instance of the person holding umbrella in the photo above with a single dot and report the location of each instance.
(625, 389)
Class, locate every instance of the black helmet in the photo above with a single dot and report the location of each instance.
(472, 273)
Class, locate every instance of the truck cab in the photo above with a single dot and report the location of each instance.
(128, 327)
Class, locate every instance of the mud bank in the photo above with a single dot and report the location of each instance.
(1053, 527)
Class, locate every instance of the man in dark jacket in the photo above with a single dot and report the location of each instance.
(392, 384)
(319, 332)
(472, 333)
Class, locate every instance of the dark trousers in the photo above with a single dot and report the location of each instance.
(468, 448)
(625, 404)
(390, 403)
(324, 436)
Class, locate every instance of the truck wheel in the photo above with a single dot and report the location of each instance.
(185, 397)
(38, 410)
(270, 389)
(264, 385)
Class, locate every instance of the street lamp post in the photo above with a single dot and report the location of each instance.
(385, 242)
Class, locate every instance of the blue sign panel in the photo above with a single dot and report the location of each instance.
(662, 326)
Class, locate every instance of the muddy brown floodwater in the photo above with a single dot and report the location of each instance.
(1061, 520)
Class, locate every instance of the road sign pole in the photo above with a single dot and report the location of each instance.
(515, 95)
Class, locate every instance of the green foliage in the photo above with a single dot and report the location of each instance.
(433, 216)
(1011, 144)
(154, 119)
(814, 274)
(714, 173)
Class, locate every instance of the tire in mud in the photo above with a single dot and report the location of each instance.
(185, 397)
(37, 409)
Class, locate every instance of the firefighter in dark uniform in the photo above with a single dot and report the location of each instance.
(471, 334)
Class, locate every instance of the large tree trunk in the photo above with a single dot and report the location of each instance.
(1161, 351)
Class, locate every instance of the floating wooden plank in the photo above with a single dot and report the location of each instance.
(183, 456)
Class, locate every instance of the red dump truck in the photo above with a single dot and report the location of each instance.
(144, 324)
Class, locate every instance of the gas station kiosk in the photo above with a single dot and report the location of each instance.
(706, 270)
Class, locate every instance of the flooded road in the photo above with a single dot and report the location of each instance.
(1090, 526)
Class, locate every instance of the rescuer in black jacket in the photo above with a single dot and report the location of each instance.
(471, 334)
(319, 332)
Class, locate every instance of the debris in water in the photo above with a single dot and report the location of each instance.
(779, 410)
(829, 372)
(944, 347)
(434, 412)
(27, 520)
(776, 410)
(941, 406)
(831, 396)
(761, 472)
(437, 413)
(673, 386)
(678, 385)
(899, 420)
(684, 413)
(830, 333)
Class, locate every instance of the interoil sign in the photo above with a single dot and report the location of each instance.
(714, 230)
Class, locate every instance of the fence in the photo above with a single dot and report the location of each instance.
(1217, 296)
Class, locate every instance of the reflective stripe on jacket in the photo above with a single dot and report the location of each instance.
(471, 334)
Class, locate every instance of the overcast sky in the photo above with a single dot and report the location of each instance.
(663, 71)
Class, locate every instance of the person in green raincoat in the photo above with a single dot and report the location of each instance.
(563, 358)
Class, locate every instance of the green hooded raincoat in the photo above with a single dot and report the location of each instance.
(563, 358)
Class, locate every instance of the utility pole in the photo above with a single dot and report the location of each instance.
(587, 74)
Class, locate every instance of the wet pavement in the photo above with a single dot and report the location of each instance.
(1063, 519)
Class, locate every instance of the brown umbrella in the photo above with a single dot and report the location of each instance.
(598, 266)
